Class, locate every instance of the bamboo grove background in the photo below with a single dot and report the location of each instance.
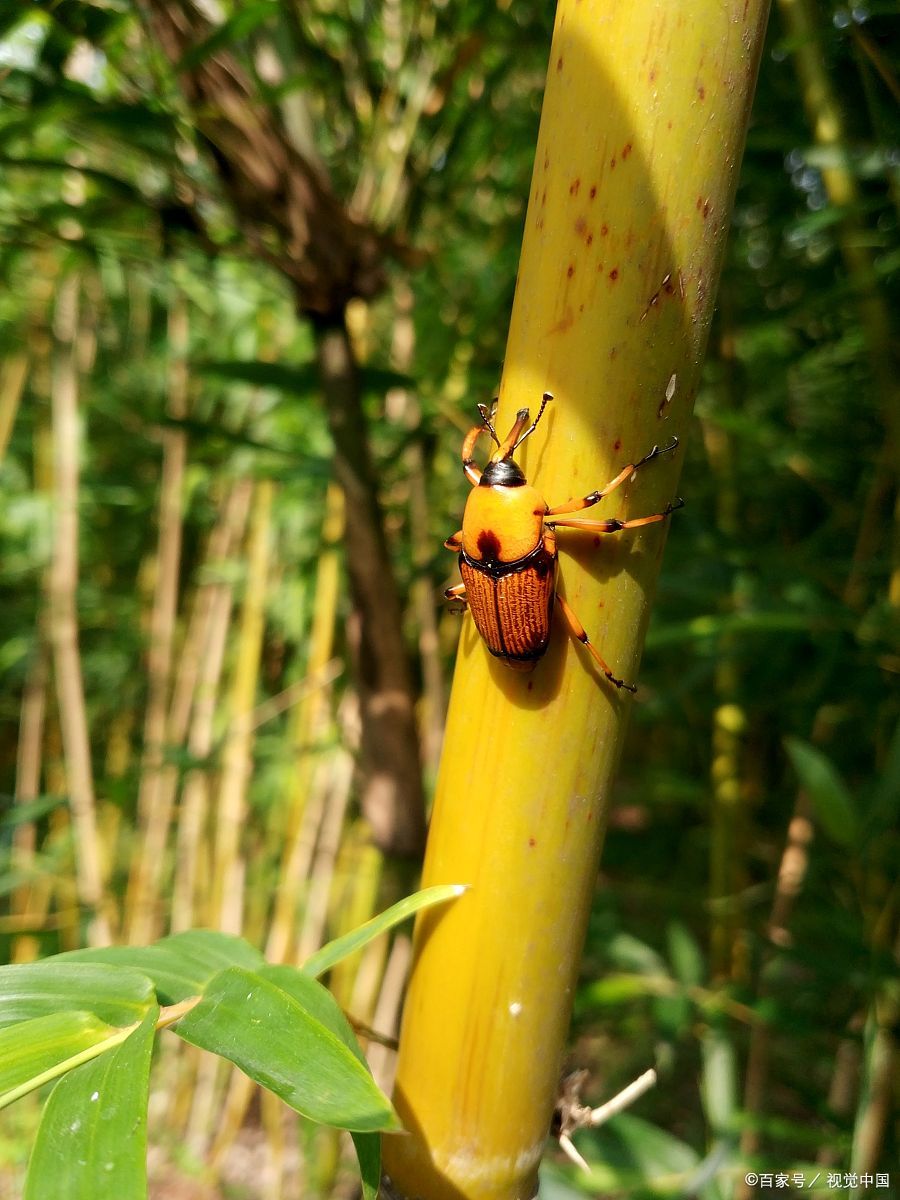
(179, 726)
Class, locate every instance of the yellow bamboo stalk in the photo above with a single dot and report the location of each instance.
(195, 700)
(155, 798)
(642, 131)
(63, 619)
(13, 374)
(308, 725)
(227, 904)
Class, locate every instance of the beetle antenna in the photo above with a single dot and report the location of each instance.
(547, 397)
(487, 416)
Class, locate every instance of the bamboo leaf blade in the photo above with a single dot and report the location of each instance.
(829, 794)
(258, 1026)
(117, 995)
(31, 1052)
(326, 957)
(180, 965)
(92, 1140)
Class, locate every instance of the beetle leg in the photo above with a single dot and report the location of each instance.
(457, 592)
(577, 630)
(454, 542)
(473, 473)
(612, 524)
(592, 498)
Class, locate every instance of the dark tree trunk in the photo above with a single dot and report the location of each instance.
(391, 775)
(290, 217)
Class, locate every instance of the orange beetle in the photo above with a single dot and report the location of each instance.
(507, 547)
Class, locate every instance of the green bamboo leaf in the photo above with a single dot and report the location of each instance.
(115, 994)
(320, 1003)
(180, 965)
(829, 794)
(368, 1152)
(271, 1036)
(326, 957)
(685, 954)
(32, 1052)
(718, 1085)
(92, 1140)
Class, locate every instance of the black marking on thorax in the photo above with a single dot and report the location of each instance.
(537, 560)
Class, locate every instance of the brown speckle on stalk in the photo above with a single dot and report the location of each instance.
(589, 239)
(701, 91)
(593, 191)
(612, 163)
(559, 63)
(574, 186)
(570, 270)
(614, 274)
(604, 229)
(626, 150)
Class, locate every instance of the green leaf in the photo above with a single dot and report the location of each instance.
(115, 994)
(180, 965)
(719, 1087)
(326, 957)
(320, 1003)
(267, 1032)
(826, 789)
(368, 1151)
(92, 1140)
(685, 955)
(32, 1052)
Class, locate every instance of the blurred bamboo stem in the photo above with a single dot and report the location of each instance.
(309, 723)
(729, 719)
(227, 890)
(195, 701)
(825, 114)
(642, 128)
(63, 619)
(155, 799)
(13, 374)
(404, 407)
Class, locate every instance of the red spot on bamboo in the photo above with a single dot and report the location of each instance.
(532, 842)
(701, 91)
(604, 229)
(612, 163)
(617, 444)
(626, 150)
(652, 75)
(574, 186)
(580, 226)
(706, 208)
(559, 63)
(699, 203)
(570, 270)
(593, 191)
(668, 124)
(589, 239)
(614, 274)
